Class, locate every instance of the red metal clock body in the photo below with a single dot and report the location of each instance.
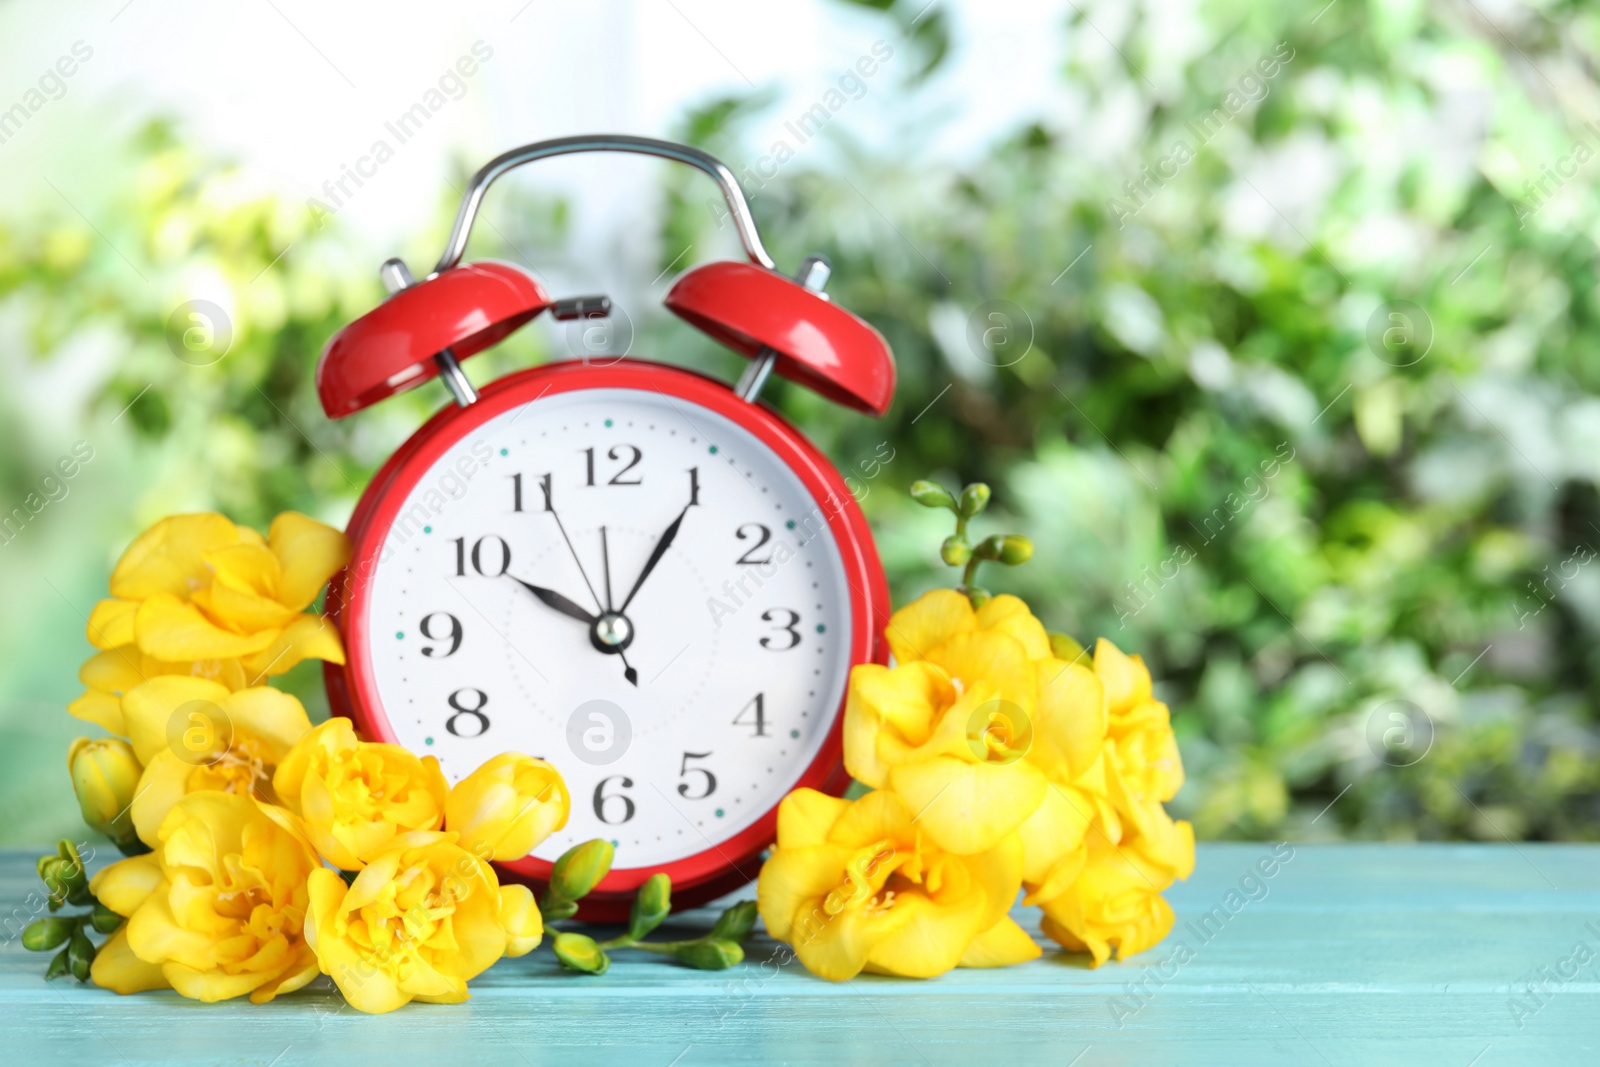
(385, 600)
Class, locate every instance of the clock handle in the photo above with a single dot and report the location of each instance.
(738, 209)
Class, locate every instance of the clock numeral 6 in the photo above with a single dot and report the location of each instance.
(758, 704)
(454, 636)
(477, 554)
(479, 700)
(601, 798)
(772, 615)
(684, 770)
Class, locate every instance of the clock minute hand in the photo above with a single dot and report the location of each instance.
(555, 600)
(663, 543)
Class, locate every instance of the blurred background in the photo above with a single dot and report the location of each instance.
(1273, 325)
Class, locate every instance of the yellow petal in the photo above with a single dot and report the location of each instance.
(1069, 719)
(969, 807)
(155, 936)
(111, 623)
(1001, 945)
(168, 558)
(1009, 615)
(270, 716)
(128, 883)
(241, 612)
(878, 816)
(310, 553)
(102, 709)
(888, 711)
(837, 947)
(171, 630)
(520, 917)
(245, 568)
(805, 816)
(1054, 833)
(149, 709)
(1125, 678)
(992, 658)
(926, 939)
(306, 637)
(926, 623)
(163, 784)
(116, 968)
(793, 882)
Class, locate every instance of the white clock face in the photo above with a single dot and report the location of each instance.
(520, 603)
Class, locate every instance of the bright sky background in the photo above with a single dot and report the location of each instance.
(297, 89)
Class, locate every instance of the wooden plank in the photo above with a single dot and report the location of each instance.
(1349, 954)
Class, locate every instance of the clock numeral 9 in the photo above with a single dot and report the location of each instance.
(772, 615)
(601, 798)
(477, 555)
(454, 636)
(614, 453)
(480, 700)
(684, 770)
(758, 704)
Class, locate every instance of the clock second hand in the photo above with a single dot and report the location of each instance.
(604, 609)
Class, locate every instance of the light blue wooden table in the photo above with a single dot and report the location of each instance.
(1351, 954)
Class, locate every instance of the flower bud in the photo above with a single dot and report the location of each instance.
(80, 954)
(105, 776)
(104, 920)
(1014, 549)
(715, 955)
(974, 498)
(651, 906)
(580, 953)
(42, 935)
(58, 965)
(580, 869)
(955, 551)
(1064, 647)
(931, 495)
(736, 923)
(507, 807)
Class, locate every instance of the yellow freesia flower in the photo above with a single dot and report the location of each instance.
(112, 674)
(355, 796)
(421, 919)
(105, 778)
(197, 587)
(195, 735)
(858, 886)
(508, 806)
(217, 910)
(974, 721)
(1115, 903)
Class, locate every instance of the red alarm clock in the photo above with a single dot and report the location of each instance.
(636, 572)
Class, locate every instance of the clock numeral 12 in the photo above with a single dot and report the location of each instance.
(617, 478)
(759, 705)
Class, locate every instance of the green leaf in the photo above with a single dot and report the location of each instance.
(578, 952)
(58, 966)
(736, 923)
(651, 906)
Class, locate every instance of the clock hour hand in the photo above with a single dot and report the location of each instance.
(663, 543)
(555, 600)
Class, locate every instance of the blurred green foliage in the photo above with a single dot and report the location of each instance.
(1322, 526)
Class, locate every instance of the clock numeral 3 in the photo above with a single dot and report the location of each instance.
(615, 453)
(765, 534)
(771, 615)
(477, 555)
(684, 770)
(759, 705)
(601, 798)
(454, 636)
(456, 700)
